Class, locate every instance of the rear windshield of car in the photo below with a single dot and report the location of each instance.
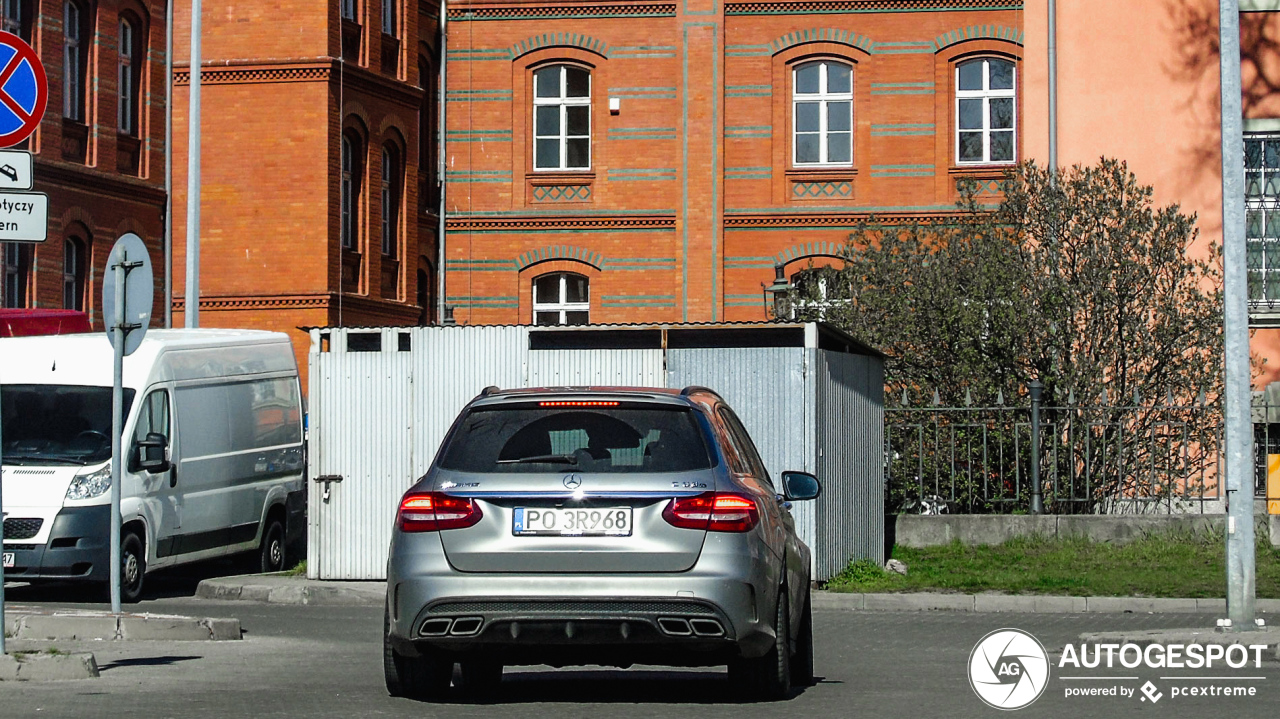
(531, 438)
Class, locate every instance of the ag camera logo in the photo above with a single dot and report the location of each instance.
(1008, 669)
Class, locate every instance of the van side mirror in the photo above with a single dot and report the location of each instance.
(152, 453)
(797, 486)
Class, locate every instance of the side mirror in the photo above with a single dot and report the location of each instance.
(797, 486)
(152, 453)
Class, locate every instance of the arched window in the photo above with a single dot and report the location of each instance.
(562, 118)
(75, 38)
(390, 200)
(822, 114)
(351, 154)
(561, 298)
(130, 72)
(74, 274)
(815, 291)
(985, 111)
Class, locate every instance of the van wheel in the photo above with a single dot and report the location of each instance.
(768, 676)
(424, 677)
(272, 553)
(133, 565)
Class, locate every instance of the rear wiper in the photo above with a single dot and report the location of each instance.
(549, 458)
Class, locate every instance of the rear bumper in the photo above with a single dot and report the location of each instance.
(78, 548)
(705, 616)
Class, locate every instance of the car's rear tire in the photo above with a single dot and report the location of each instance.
(481, 678)
(425, 677)
(802, 662)
(768, 676)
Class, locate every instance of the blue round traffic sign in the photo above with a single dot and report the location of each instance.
(24, 90)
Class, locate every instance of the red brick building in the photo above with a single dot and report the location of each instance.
(319, 199)
(99, 151)
(624, 162)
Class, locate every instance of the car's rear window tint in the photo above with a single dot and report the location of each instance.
(596, 439)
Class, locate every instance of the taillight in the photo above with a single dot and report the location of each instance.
(714, 512)
(433, 511)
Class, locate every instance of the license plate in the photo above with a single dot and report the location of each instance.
(600, 522)
(7, 560)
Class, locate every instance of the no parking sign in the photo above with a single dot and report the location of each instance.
(24, 90)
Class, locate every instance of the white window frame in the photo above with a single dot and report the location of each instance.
(822, 98)
(12, 11)
(389, 18)
(563, 102)
(349, 233)
(821, 304)
(73, 75)
(1261, 207)
(390, 201)
(987, 95)
(72, 274)
(561, 306)
(125, 120)
(14, 294)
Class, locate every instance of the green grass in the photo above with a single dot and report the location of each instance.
(1163, 565)
(299, 570)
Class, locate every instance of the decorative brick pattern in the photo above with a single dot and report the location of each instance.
(821, 190)
(562, 193)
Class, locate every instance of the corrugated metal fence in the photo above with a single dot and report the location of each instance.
(381, 400)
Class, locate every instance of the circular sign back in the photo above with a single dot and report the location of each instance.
(139, 290)
(24, 90)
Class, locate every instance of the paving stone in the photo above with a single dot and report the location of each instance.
(839, 600)
(920, 602)
(1139, 605)
(63, 626)
(224, 629)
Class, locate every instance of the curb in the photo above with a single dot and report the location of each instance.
(296, 591)
(126, 627)
(47, 667)
(993, 603)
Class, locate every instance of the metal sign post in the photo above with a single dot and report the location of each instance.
(127, 293)
(20, 115)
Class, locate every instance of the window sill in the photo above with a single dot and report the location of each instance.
(555, 177)
(991, 169)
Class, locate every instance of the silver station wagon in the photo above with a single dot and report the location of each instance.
(605, 526)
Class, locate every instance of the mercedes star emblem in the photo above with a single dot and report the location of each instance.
(573, 481)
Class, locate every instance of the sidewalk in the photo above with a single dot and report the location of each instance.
(281, 589)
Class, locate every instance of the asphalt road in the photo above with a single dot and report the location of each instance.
(315, 661)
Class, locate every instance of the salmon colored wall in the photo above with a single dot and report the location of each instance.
(1139, 81)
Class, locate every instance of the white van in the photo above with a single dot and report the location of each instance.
(213, 445)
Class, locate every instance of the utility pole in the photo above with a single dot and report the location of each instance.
(192, 314)
(1239, 431)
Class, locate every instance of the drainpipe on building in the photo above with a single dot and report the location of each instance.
(168, 164)
(1053, 85)
(440, 164)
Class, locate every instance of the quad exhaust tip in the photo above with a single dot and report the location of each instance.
(446, 626)
(706, 627)
(674, 626)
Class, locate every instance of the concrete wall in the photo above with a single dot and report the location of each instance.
(974, 529)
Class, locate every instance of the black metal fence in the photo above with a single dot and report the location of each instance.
(1092, 458)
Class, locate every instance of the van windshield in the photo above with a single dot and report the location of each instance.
(56, 424)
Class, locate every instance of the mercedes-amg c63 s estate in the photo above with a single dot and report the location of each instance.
(609, 526)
